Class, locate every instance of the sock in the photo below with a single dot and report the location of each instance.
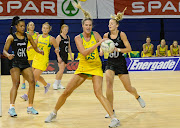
(30, 106)
(54, 112)
(59, 82)
(56, 82)
(12, 106)
(138, 97)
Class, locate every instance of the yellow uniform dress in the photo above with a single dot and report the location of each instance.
(148, 54)
(31, 53)
(175, 51)
(90, 64)
(41, 61)
(162, 51)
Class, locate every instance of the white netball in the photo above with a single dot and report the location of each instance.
(107, 46)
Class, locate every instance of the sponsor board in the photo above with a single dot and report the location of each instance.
(133, 64)
(153, 64)
(44, 9)
(28, 7)
(53, 67)
(140, 8)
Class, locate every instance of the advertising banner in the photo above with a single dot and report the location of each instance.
(140, 8)
(133, 64)
(53, 67)
(153, 64)
(43, 9)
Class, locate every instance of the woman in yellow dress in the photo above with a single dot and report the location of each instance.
(162, 49)
(175, 48)
(89, 65)
(30, 51)
(40, 62)
(148, 48)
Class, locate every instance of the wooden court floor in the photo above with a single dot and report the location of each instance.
(160, 90)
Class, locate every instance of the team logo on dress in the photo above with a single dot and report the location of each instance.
(92, 42)
(68, 8)
(116, 44)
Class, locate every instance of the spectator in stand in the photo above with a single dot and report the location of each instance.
(175, 48)
(147, 48)
(162, 49)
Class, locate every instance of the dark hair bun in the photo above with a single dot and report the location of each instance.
(14, 20)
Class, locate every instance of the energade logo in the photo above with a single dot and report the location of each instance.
(152, 65)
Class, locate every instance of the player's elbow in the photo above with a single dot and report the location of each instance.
(129, 49)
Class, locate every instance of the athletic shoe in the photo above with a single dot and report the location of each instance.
(23, 86)
(114, 123)
(46, 88)
(12, 112)
(25, 97)
(60, 86)
(55, 87)
(107, 115)
(32, 111)
(37, 85)
(50, 117)
(141, 102)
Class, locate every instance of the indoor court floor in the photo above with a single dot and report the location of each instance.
(160, 90)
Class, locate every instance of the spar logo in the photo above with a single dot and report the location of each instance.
(28, 7)
(143, 65)
(68, 8)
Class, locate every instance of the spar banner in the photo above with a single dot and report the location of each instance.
(43, 9)
(153, 64)
(140, 8)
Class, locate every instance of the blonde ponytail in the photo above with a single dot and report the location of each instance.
(119, 15)
(87, 15)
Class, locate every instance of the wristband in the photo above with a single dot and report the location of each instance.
(119, 50)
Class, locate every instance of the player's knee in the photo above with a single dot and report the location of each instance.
(98, 93)
(67, 93)
(16, 84)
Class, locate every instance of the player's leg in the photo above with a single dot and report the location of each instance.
(37, 75)
(57, 83)
(109, 90)
(75, 82)
(125, 79)
(97, 84)
(28, 75)
(15, 75)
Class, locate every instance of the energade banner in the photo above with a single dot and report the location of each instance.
(133, 64)
(140, 8)
(43, 9)
(153, 64)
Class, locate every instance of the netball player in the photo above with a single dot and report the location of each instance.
(19, 63)
(64, 45)
(40, 62)
(162, 49)
(116, 64)
(89, 65)
(175, 48)
(148, 48)
(30, 51)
